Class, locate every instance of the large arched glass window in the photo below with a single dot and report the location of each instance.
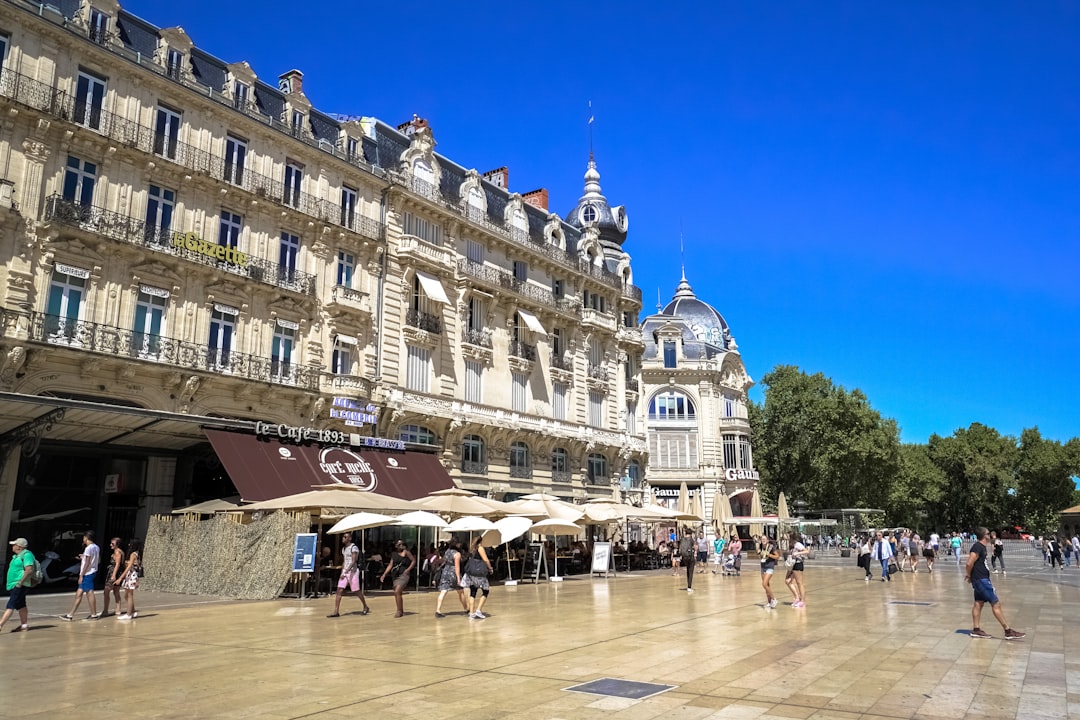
(597, 469)
(520, 462)
(417, 434)
(672, 406)
(472, 455)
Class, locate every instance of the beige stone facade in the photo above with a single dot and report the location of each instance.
(176, 234)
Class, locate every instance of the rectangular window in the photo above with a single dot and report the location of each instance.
(294, 175)
(64, 305)
(166, 132)
(418, 369)
(558, 347)
(729, 406)
(729, 452)
(669, 353)
(3, 50)
(80, 177)
(174, 61)
(235, 155)
(596, 408)
(352, 149)
(348, 207)
(558, 400)
(474, 381)
(160, 204)
(229, 230)
(557, 288)
(673, 450)
(99, 26)
(521, 384)
(288, 256)
(521, 270)
(297, 123)
(341, 362)
(423, 229)
(281, 351)
(346, 266)
(241, 93)
(222, 328)
(596, 353)
(631, 418)
(474, 251)
(477, 319)
(745, 458)
(89, 97)
(149, 321)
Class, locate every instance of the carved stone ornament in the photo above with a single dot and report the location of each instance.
(12, 363)
(36, 150)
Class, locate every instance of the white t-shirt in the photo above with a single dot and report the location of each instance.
(934, 539)
(797, 549)
(348, 562)
(91, 556)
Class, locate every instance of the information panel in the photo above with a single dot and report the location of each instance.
(601, 558)
(304, 552)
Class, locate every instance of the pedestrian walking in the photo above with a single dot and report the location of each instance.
(350, 579)
(399, 569)
(88, 567)
(977, 572)
(718, 553)
(477, 569)
(769, 557)
(916, 551)
(129, 580)
(113, 573)
(955, 546)
(450, 577)
(18, 582)
(702, 560)
(1075, 542)
(997, 556)
(794, 577)
(1053, 550)
(883, 553)
(864, 558)
(688, 557)
(1066, 549)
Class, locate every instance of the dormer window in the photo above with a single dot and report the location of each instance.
(241, 93)
(174, 61)
(352, 148)
(297, 123)
(589, 214)
(99, 26)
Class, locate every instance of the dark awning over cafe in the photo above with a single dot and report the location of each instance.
(267, 468)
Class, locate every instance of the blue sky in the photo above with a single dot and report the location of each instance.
(885, 193)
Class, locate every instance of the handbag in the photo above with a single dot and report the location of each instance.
(476, 567)
(893, 567)
(790, 562)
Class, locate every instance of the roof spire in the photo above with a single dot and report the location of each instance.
(592, 118)
(682, 253)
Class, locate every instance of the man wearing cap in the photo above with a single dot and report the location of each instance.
(18, 580)
(88, 565)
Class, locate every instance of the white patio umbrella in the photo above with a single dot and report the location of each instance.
(697, 506)
(361, 521)
(683, 506)
(556, 527)
(605, 510)
(756, 529)
(781, 506)
(505, 530)
(721, 512)
(335, 497)
(470, 523)
(541, 505)
(457, 502)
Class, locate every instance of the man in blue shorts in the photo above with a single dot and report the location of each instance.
(977, 573)
(88, 565)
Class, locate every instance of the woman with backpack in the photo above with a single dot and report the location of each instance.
(477, 569)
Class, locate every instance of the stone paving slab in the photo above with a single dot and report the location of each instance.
(851, 653)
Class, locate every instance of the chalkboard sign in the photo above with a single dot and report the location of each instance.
(534, 561)
(602, 561)
(304, 552)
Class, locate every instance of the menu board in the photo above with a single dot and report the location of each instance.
(601, 558)
(304, 552)
(534, 560)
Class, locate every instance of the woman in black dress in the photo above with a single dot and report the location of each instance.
(399, 569)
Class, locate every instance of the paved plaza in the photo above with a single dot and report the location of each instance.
(858, 650)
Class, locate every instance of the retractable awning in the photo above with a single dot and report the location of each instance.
(532, 322)
(267, 468)
(432, 287)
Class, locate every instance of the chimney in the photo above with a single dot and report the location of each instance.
(291, 83)
(410, 127)
(537, 198)
(499, 177)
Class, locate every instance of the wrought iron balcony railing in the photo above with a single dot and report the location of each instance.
(474, 467)
(152, 347)
(598, 372)
(498, 277)
(561, 476)
(424, 321)
(60, 104)
(561, 362)
(481, 338)
(521, 471)
(522, 350)
(188, 246)
(633, 384)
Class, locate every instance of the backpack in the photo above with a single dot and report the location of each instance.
(36, 576)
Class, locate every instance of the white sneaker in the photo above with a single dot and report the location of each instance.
(772, 603)
(479, 615)
(689, 590)
(123, 616)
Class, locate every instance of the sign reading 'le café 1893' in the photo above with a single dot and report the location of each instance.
(331, 437)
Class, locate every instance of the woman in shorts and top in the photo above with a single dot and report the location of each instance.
(113, 575)
(129, 580)
(450, 577)
(400, 568)
(769, 556)
(794, 578)
(350, 576)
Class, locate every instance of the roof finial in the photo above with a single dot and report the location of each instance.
(592, 118)
(659, 306)
(682, 254)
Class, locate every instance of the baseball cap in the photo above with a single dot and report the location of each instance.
(21, 542)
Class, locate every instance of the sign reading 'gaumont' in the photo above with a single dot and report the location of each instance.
(194, 243)
(741, 474)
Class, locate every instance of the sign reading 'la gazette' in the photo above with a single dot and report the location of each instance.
(194, 243)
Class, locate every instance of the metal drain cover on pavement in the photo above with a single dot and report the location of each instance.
(911, 602)
(628, 689)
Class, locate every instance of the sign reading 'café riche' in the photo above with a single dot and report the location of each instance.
(345, 467)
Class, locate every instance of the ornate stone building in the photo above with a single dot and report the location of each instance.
(695, 385)
(180, 239)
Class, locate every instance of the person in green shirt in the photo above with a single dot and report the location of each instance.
(18, 581)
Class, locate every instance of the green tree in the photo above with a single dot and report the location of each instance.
(1044, 481)
(916, 495)
(979, 466)
(822, 444)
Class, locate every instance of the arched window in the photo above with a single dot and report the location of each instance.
(560, 465)
(417, 434)
(597, 469)
(520, 462)
(633, 473)
(473, 455)
(672, 406)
